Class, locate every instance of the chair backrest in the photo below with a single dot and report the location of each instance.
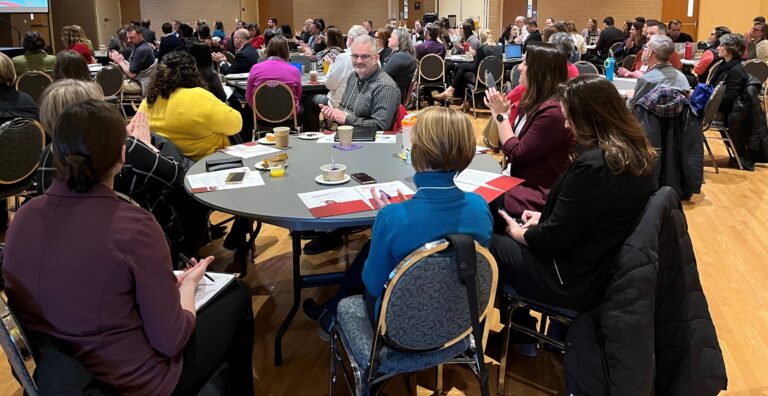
(493, 65)
(585, 67)
(273, 101)
(629, 61)
(710, 110)
(432, 68)
(304, 60)
(110, 78)
(33, 83)
(757, 68)
(612, 49)
(17, 349)
(702, 45)
(514, 76)
(424, 306)
(21, 142)
(411, 88)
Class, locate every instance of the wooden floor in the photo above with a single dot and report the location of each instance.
(728, 223)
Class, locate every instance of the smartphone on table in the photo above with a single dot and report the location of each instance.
(235, 178)
(363, 178)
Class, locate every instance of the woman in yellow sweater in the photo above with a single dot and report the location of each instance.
(181, 109)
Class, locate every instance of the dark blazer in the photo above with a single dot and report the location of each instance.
(401, 66)
(532, 38)
(735, 78)
(608, 37)
(244, 60)
(149, 35)
(539, 155)
(168, 44)
(589, 212)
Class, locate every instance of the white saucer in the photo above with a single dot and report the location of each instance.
(320, 180)
(264, 141)
(310, 135)
(260, 167)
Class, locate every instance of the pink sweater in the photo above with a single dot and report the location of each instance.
(274, 69)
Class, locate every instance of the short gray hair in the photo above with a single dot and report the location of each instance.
(735, 44)
(563, 41)
(356, 31)
(661, 46)
(366, 39)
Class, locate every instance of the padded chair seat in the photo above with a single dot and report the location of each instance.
(511, 293)
(356, 328)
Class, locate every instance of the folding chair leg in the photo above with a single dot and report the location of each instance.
(332, 390)
(439, 380)
(505, 347)
(474, 105)
(711, 156)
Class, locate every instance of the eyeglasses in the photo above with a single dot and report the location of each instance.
(363, 57)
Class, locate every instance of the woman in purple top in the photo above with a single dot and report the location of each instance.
(94, 272)
(275, 68)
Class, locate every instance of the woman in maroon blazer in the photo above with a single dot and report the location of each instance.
(536, 143)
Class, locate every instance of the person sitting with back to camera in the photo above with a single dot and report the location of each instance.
(443, 145)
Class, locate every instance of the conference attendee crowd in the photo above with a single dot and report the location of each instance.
(111, 206)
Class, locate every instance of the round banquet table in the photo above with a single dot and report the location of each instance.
(277, 202)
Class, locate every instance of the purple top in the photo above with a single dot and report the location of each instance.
(430, 47)
(274, 69)
(94, 271)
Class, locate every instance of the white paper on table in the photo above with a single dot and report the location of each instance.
(481, 150)
(249, 150)
(237, 76)
(316, 199)
(228, 91)
(476, 177)
(208, 289)
(390, 188)
(218, 179)
(380, 138)
(466, 186)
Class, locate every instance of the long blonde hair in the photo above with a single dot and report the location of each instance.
(71, 35)
(486, 37)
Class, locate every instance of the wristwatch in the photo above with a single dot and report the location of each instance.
(502, 117)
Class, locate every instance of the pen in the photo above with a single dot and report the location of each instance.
(189, 262)
(385, 194)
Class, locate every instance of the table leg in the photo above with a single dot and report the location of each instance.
(296, 236)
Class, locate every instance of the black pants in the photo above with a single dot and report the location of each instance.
(464, 73)
(352, 283)
(311, 118)
(224, 332)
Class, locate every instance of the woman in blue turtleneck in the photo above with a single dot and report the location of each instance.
(443, 145)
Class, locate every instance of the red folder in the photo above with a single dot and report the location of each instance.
(505, 183)
(340, 208)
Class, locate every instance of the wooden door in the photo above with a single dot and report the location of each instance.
(511, 9)
(687, 11)
(280, 9)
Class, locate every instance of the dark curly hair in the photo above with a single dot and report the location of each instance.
(178, 70)
(33, 41)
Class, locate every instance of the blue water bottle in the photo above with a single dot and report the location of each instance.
(610, 67)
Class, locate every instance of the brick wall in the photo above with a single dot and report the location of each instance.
(580, 11)
(159, 11)
(342, 13)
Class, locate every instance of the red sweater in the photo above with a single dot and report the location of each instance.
(83, 50)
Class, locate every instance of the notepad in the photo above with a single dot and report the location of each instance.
(207, 290)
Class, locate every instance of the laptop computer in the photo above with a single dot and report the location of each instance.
(361, 134)
(513, 51)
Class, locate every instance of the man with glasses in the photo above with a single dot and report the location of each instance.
(372, 97)
(245, 55)
(660, 72)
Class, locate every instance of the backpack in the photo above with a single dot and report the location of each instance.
(703, 92)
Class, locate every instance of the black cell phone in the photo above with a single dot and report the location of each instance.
(235, 178)
(363, 178)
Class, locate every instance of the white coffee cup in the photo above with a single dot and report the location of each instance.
(281, 136)
(331, 173)
(345, 135)
(313, 76)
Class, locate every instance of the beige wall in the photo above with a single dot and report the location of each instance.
(342, 13)
(714, 13)
(580, 11)
(72, 12)
(108, 21)
(187, 11)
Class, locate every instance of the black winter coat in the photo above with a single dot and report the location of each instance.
(653, 333)
(747, 124)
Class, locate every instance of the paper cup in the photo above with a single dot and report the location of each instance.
(313, 76)
(345, 135)
(333, 174)
(281, 137)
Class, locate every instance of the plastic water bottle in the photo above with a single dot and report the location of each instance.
(610, 67)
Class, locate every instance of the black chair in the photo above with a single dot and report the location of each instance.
(33, 83)
(490, 64)
(110, 79)
(411, 88)
(514, 76)
(629, 61)
(757, 68)
(585, 67)
(708, 123)
(21, 142)
(273, 102)
(431, 73)
(17, 349)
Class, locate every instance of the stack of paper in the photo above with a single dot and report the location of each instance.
(488, 185)
(214, 181)
(346, 200)
(208, 289)
(248, 150)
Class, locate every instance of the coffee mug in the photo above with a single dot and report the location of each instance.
(331, 173)
(345, 135)
(281, 136)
